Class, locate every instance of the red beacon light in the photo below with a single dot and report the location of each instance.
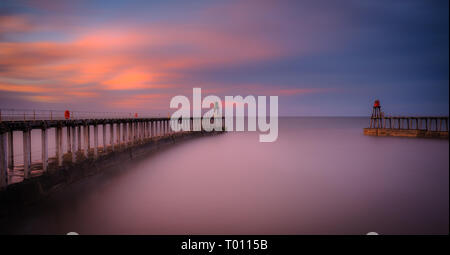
(67, 114)
(376, 104)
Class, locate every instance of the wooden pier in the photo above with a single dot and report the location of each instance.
(124, 131)
(406, 126)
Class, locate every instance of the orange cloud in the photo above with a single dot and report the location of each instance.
(142, 101)
(44, 99)
(14, 23)
(82, 93)
(129, 79)
(299, 91)
(24, 88)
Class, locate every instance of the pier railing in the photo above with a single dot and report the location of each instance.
(428, 123)
(29, 115)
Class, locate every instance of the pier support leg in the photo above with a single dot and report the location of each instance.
(149, 126)
(126, 133)
(134, 132)
(124, 138)
(104, 138)
(130, 132)
(27, 154)
(95, 141)
(138, 132)
(118, 135)
(145, 129)
(69, 141)
(74, 150)
(44, 139)
(10, 150)
(151, 129)
(86, 141)
(156, 128)
(111, 138)
(59, 152)
(89, 137)
(79, 138)
(135, 124)
(3, 160)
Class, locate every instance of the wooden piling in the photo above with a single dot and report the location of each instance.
(89, 137)
(86, 140)
(95, 141)
(118, 135)
(130, 133)
(74, 139)
(124, 138)
(111, 135)
(69, 140)
(104, 137)
(44, 143)
(79, 138)
(11, 150)
(27, 153)
(58, 140)
(3, 160)
(151, 129)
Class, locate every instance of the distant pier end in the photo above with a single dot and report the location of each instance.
(406, 126)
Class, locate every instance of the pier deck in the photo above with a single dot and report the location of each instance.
(124, 132)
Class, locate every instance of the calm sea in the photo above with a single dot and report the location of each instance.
(322, 176)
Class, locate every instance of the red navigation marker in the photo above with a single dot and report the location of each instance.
(135, 115)
(376, 104)
(67, 114)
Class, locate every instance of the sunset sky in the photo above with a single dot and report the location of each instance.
(322, 58)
